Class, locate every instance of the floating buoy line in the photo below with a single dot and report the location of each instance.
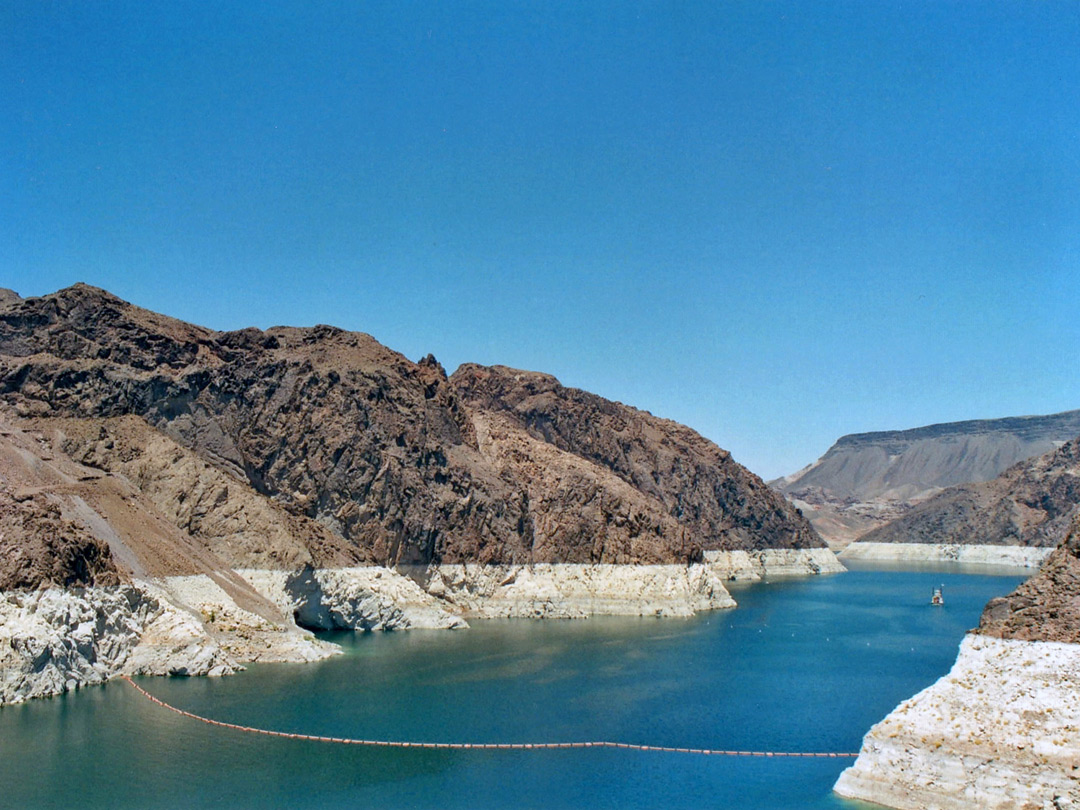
(477, 746)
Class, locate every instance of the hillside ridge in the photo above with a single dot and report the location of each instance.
(866, 480)
(385, 453)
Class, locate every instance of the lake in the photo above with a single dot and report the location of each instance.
(801, 665)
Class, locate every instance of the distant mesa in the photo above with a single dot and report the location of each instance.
(866, 480)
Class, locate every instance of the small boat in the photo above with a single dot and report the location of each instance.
(937, 597)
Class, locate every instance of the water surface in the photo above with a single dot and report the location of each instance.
(801, 665)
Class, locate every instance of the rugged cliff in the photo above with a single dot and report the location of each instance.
(390, 455)
(38, 547)
(867, 479)
(183, 499)
(716, 502)
(1047, 606)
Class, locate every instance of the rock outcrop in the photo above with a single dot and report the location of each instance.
(235, 488)
(660, 478)
(866, 480)
(1047, 606)
(1002, 729)
(390, 455)
(1030, 505)
(53, 640)
(228, 518)
(39, 547)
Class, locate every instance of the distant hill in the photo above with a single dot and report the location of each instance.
(866, 480)
(1030, 504)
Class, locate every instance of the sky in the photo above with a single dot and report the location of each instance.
(776, 222)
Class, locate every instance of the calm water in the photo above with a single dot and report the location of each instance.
(802, 665)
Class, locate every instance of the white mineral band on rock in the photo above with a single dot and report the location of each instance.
(1013, 556)
(1000, 731)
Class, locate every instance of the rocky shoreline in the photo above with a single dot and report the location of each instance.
(53, 640)
(981, 554)
(1001, 731)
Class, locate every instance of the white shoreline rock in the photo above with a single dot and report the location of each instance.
(1001, 731)
(1011, 556)
(359, 598)
(771, 563)
(54, 640)
(246, 636)
(576, 590)
(571, 591)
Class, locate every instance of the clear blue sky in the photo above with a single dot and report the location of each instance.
(775, 222)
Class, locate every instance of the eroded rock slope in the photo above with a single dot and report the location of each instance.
(868, 479)
(390, 455)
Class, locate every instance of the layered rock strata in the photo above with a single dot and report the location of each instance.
(1029, 506)
(866, 480)
(1002, 729)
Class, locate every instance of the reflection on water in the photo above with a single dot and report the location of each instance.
(805, 664)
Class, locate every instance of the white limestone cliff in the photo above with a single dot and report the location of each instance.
(1001, 731)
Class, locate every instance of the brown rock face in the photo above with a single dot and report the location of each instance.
(1032, 503)
(239, 527)
(389, 456)
(39, 547)
(717, 503)
(1047, 606)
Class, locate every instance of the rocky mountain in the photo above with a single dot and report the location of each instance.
(867, 479)
(402, 463)
(178, 499)
(1031, 504)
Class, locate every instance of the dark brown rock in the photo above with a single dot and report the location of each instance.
(1047, 606)
(39, 548)
(386, 453)
(717, 502)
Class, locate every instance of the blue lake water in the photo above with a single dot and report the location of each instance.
(801, 665)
